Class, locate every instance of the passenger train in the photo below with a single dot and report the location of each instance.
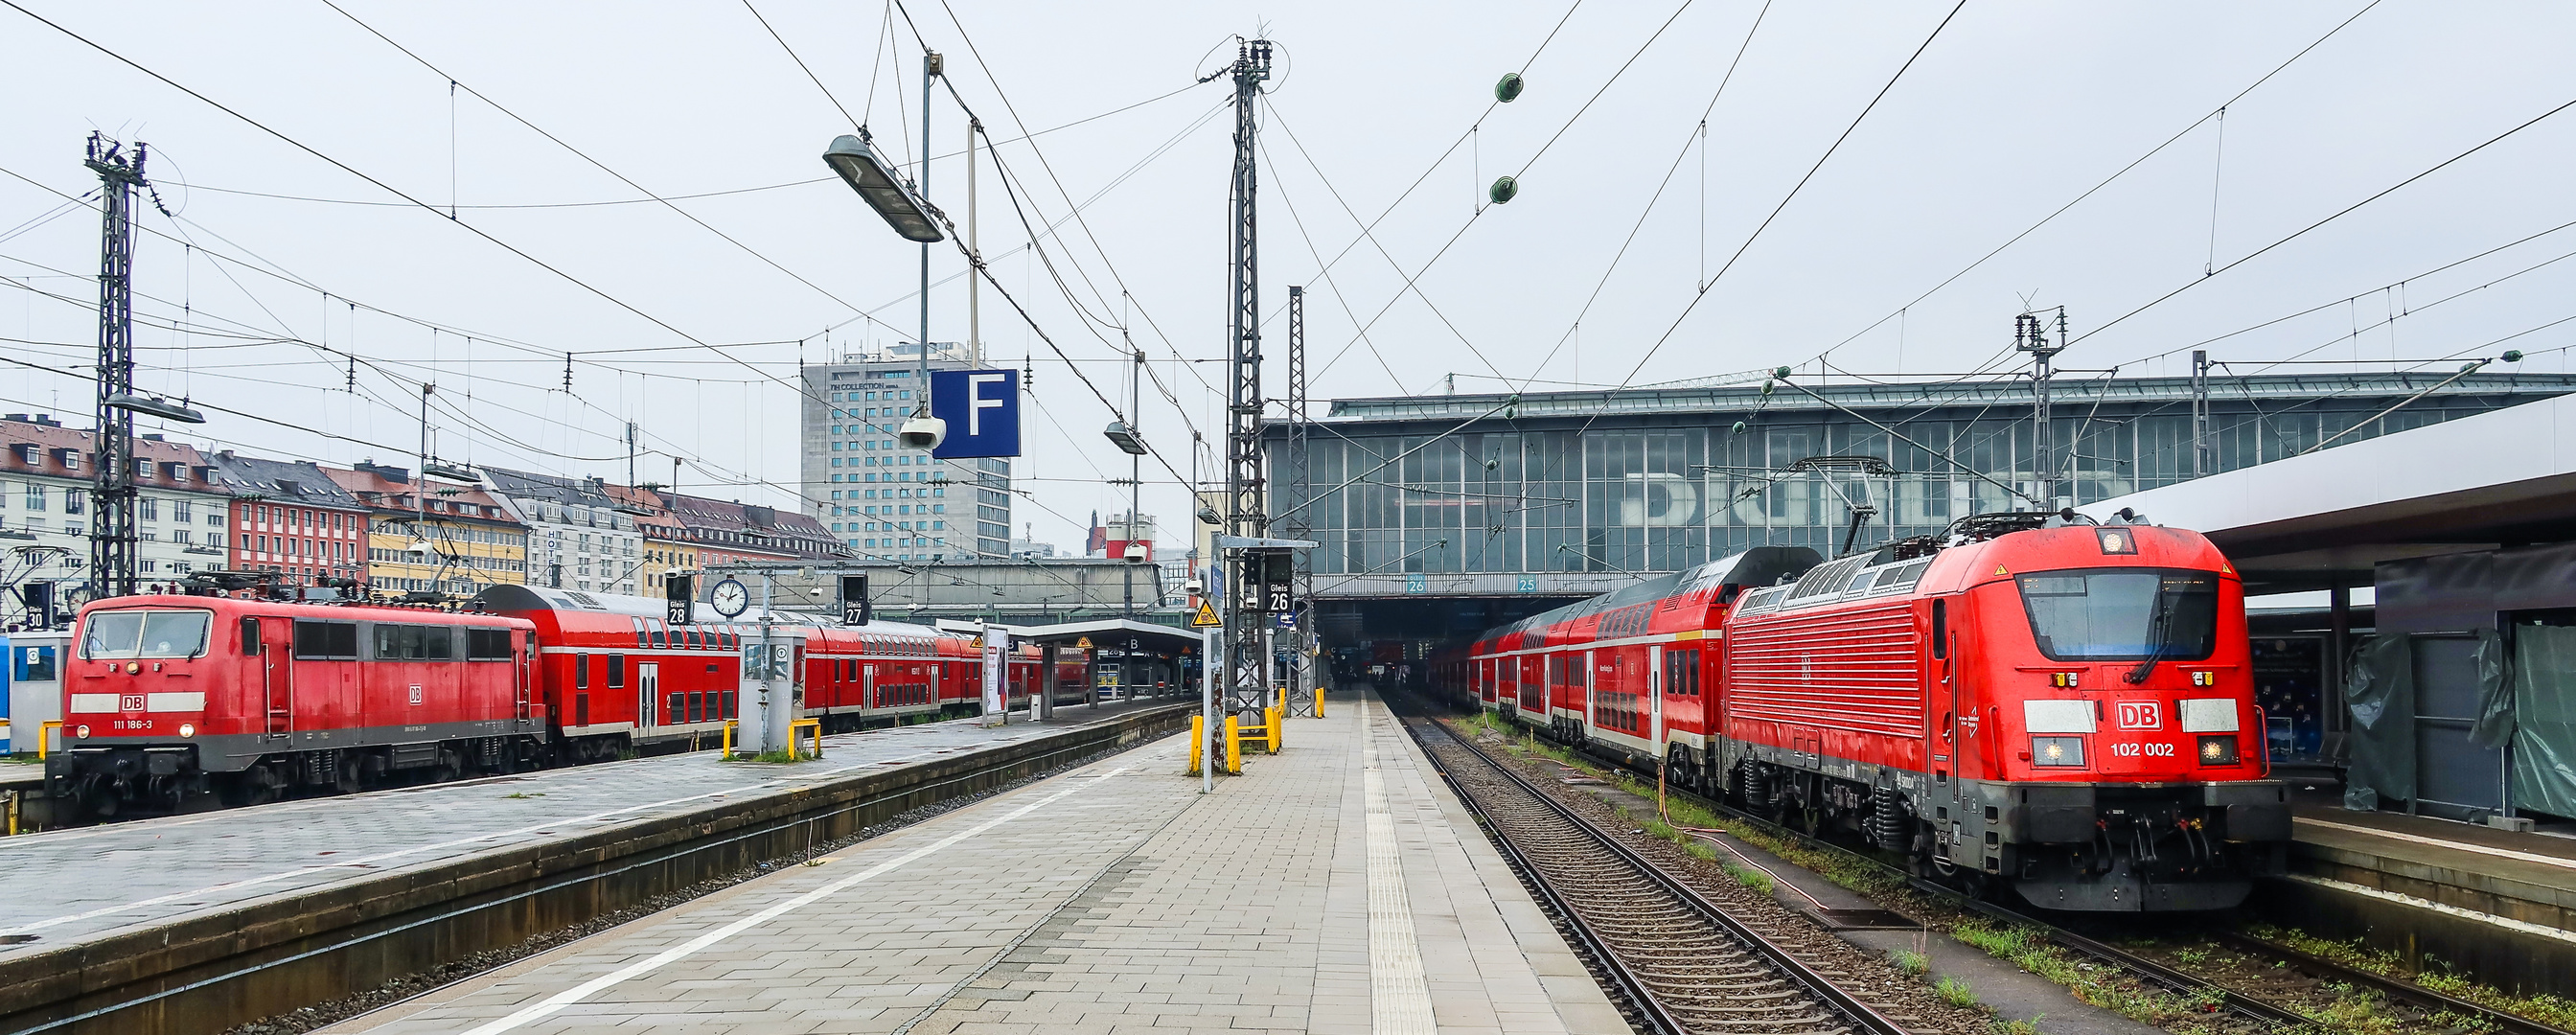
(2028, 700)
(168, 695)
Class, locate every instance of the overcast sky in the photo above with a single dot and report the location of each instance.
(2013, 110)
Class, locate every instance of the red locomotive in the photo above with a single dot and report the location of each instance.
(172, 695)
(2066, 708)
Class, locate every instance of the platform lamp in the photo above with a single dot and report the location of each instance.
(859, 165)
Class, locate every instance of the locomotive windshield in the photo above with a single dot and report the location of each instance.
(2122, 614)
(144, 634)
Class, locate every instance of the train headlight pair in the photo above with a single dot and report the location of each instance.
(2057, 751)
(2219, 749)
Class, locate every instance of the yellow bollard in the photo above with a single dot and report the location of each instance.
(1233, 749)
(1319, 702)
(1273, 718)
(1198, 743)
(727, 756)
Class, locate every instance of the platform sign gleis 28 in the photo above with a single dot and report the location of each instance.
(982, 408)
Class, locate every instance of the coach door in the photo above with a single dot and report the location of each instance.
(867, 687)
(648, 694)
(1655, 697)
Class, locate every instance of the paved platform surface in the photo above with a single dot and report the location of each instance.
(1335, 888)
(65, 886)
(2526, 877)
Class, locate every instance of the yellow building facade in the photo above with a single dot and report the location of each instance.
(434, 536)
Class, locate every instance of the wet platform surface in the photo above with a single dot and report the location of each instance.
(67, 886)
(1337, 887)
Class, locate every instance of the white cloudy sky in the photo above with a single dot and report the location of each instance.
(2012, 111)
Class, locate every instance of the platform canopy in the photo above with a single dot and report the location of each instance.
(1111, 633)
(2322, 520)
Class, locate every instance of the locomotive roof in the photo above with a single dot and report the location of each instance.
(507, 597)
(1762, 565)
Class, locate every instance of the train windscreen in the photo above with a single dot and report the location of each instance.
(144, 634)
(2122, 614)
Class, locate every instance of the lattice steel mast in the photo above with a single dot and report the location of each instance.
(1300, 522)
(112, 536)
(1247, 660)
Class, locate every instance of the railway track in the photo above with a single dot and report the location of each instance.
(1685, 965)
(2252, 1007)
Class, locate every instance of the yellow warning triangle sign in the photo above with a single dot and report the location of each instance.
(1206, 616)
(1999, 570)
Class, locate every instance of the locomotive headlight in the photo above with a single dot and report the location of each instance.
(187, 729)
(81, 731)
(2218, 750)
(2057, 751)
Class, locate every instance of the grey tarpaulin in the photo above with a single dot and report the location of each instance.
(2494, 726)
(2381, 693)
(2544, 737)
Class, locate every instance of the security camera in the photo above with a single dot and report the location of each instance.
(922, 433)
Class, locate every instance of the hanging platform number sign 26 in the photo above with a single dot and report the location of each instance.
(1275, 598)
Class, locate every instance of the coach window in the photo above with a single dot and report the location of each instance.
(581, 671)
(641, 639)
(487, 644)
(616, 670)
(326, 641)
(661, 638)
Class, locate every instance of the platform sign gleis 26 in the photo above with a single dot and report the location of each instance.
(982, 408)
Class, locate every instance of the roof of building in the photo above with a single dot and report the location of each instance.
(551, 488)
(751, 526)
(280, 481)
(390, 490)
(651, 517)
(2324, 518)
(175, 465)
(1743, 394)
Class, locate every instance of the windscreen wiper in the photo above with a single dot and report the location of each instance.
(2156, 623)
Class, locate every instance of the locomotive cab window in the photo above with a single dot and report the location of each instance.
(2122, 614)
(146, 634)
(335, 641)
(414, 642)
(487, 644)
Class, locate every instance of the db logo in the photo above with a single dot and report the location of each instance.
(130, 702)
(2140, 715)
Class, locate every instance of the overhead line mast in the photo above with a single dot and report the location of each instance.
(112, 536)
(1247, 659)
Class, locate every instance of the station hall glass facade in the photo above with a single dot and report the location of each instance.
(1654, 480)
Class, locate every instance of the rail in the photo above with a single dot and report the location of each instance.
(1852, 1009)
(2255, 1007)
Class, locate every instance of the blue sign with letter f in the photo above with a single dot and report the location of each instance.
(982, 408)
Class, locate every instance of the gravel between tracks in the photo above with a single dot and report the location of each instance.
(1868, 976)
(414, 985)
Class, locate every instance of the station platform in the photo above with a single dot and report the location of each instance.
(1337, 887)
(236, 914)
(150, 871)
(2500, 904)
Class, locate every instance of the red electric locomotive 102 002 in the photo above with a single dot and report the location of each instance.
(2027, 699)
(168, 696)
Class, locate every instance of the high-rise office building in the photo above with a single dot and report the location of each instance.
(882, 500)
